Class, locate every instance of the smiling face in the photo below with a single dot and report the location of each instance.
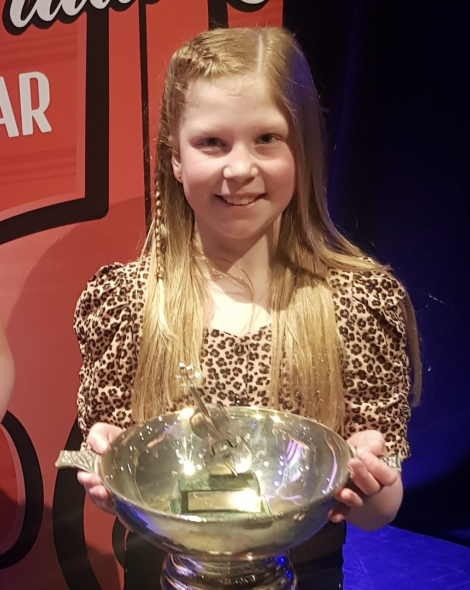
(233, 157)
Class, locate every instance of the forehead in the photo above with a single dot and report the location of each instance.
(210, 97)
(230, 85)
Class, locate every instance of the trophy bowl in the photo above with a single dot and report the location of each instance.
(234, 530)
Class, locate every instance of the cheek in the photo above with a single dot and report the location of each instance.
(285, 176)
(285, 166)
(197, 184)
(196, 170)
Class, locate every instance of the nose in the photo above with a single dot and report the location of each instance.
(240, 165)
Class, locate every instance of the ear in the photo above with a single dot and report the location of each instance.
(177, 169)
(176, 161)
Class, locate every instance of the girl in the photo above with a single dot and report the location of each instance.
(245, 276)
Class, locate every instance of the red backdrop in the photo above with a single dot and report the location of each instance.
(79, 99)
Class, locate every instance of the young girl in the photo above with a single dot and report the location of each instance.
(245, 276)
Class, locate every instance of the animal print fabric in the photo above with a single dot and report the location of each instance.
(368, 305)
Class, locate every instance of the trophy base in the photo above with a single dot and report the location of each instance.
(181, 572)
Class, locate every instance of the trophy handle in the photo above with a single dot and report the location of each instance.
(85, 460)
(393, 461)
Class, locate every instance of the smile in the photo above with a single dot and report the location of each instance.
(239, 201)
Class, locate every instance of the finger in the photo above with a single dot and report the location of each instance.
(98, 493)
(336, 517)
(363, 480)
(101, 498)
(88, 479)
(371, 440)
(377, 468)
(101, 435)
(339, 513)
(350, 497)
(97, 442)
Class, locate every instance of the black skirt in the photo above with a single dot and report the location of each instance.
(324, 573)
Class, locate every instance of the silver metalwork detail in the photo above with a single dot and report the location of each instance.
(85, 460)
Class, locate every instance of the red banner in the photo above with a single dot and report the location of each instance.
(80, 86)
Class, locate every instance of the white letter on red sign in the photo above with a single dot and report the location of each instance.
(8, 116)
(27, 111)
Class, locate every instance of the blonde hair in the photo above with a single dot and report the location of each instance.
(306, 346)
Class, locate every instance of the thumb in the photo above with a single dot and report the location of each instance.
(101, 435)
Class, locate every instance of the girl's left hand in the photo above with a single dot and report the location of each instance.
(368, 473)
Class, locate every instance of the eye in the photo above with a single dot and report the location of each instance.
(267, 138)
(211, 142)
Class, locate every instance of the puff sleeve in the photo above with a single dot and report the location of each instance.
(375, 365)
(107, 324)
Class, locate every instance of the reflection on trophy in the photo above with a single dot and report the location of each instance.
(226, 492)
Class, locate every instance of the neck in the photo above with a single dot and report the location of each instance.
(252, 261)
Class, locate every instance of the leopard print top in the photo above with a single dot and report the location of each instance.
(108, 321)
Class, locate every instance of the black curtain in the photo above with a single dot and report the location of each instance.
(393, 76)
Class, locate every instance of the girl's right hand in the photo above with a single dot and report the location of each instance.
(99, 438)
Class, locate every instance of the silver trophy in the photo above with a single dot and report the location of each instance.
(226, 492)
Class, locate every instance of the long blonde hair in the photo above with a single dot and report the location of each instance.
(306, 346)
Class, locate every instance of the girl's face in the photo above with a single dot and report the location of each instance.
(233, 157)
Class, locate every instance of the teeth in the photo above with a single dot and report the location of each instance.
(240, 201)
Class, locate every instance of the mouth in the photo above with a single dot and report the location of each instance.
(240, 200)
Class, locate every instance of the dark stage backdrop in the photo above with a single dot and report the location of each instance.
(79, 94)
(394, 77)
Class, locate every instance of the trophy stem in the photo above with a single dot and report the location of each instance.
(181, 572)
